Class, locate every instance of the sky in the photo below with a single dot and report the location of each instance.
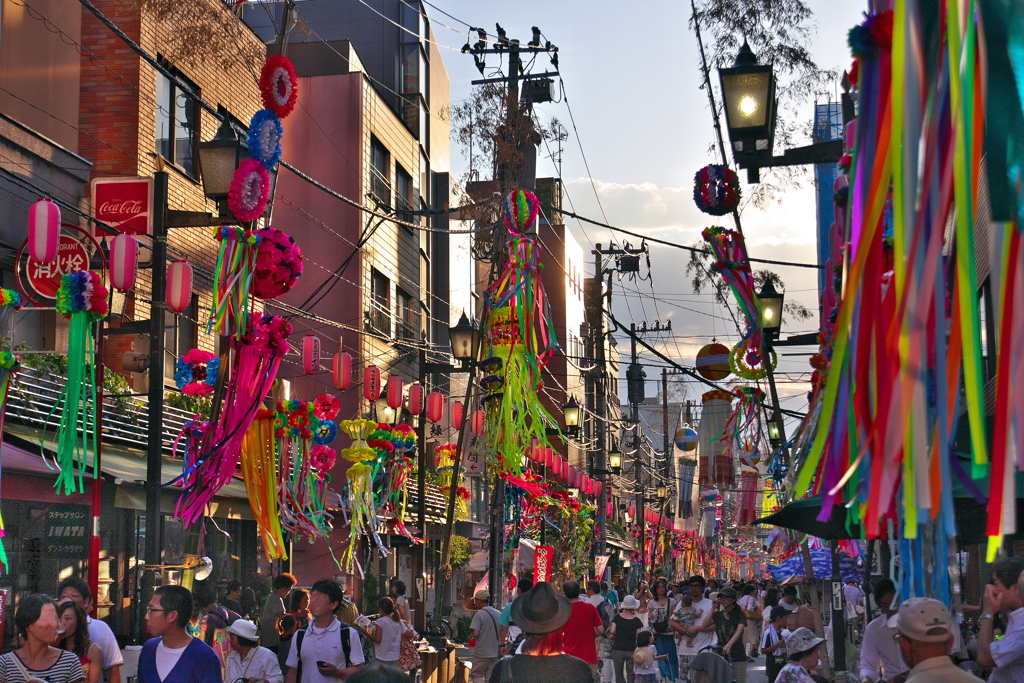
(632, 82)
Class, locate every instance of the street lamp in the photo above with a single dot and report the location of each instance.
(465, 340)
(218, 159)
(774, 433)
(771, 311)
(748, 91)
(662, 492)
(615, 461)
(571, 413)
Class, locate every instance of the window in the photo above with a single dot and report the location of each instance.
(406, 316)
(379, 315)
(177, 129)
(180, 336)
(380, 183)
(987, 324)
(404, 200)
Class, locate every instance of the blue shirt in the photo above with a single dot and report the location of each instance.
(197, 664)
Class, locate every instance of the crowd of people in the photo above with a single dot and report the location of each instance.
(694, 631)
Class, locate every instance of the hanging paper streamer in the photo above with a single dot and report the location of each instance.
(687, 479)
(444, 462)
(260, 473)
(10, 301)
(745, 433)
(82, 298)
(236, 262)
(715, 464)
(361, 508)
(303, 470)
(745, 509)
(256, 360)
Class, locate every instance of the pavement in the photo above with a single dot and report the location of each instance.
(756, 672)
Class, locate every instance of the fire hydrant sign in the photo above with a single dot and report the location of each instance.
(124, 203)
(45, 277)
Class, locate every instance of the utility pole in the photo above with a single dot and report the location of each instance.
(635, 391)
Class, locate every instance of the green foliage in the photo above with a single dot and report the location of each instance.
(460, 551)
(463, 632)
(371, 593)
(191, 404)
(46, 364)
(118, 390)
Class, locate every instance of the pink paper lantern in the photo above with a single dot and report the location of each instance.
(478, 422)
(586, 486)
(179, 286)
(311, 354)
(456, 415)
(435, 406)
(371, 383)
(549, 458)
(396, 391)
(341, 370)
(124, 261)
(598, 487)
(43, 231)
(415, 398)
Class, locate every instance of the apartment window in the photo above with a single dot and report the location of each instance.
(987, 324)
(380, 182)
(181, 335)
(404, 195)
(380, 303)
(406, 315)
(177, 119)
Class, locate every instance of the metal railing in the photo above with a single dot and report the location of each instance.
(34, 394)
(380, 186)
(378, 317)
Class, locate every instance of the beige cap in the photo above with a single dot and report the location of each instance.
(925, 620)
(483, 596)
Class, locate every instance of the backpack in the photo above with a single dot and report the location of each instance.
(607, 612)
(346, 646)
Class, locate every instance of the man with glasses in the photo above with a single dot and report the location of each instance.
(173, 656)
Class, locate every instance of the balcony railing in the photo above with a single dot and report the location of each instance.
(378, 318)
(380, 187)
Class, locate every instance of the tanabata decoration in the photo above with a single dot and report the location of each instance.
(279, 86)
(716, 190)
(715, 466)
(444, 466)
(521, 337)
(195, 373)
(394, 469)
(264, 138)
(10, 301)
(278, 264)
(256, 360)
(686, 439)
(326, 406)
(687, 469)
(713, 361)
(303, 473)
(261, 473)
(249, 191)
(745, 434)
(362, 513)
(232, 278)
(745, 509)
(82, 298)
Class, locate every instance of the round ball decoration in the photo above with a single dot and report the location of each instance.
(341, 370)
(195, 373)
(371, 383)
(713, 362)
(716, 190)
(749, 363)
(82, 290)
(435, 406)
(264, 138)
(179, 286)
(278, 264)
(249, 191)
(325, 432)
(11, 298)
(124, 260)
(326, 406)
(43, 231)
(521, 210)
(322, 458)
(279, 86)
(686, 439)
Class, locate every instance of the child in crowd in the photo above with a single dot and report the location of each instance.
(687, 615)
(645, 666)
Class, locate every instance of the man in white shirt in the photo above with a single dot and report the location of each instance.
(319, 653)
(879, 654)
(77, 591)
(854, 609)
(247, 660)
(926, 636)
(702, 632)
(1003, 594)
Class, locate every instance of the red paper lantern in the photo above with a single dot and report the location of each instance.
(549, 458)
(598, 487)
(435, 406)
(415, 398)
(341, 370)
(311, 354)
(43, 231)
(371, 383)
(478, 423)
(456, 415)
(396, 391)
(124, 260)
(179, 286)
(586, 486)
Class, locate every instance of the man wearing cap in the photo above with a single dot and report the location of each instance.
(925, 637)
(1003, 594)
(247, 660)
(880, 655)
(486, 631)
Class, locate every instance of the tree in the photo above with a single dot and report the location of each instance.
(699, 269)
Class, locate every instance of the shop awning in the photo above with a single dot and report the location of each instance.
(615, 537)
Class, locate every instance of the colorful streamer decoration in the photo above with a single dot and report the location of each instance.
(236, 263)
(279, 86)
(82, 298)
(521, 211)
(716, 190)
(361, 505)
(249, 191)
(9, 364)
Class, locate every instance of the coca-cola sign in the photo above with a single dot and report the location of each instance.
(124, 203)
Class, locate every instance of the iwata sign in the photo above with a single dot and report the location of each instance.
(124, 203)
(45, 277)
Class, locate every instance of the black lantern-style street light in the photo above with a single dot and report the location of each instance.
(748, 91)
(774, 433)
(662, 492)
(771, 311)
(615, 461)
(465, 340)
(218, 159)
(571, 414)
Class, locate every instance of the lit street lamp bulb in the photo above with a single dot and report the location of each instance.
(748, 105)
(768, 313)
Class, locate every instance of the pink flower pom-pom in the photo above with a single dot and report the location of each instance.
(249, 191)
(278, 264)
(322, 458)
(198, 357)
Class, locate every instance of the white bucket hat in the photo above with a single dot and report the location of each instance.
(243, 629)
(801, 640)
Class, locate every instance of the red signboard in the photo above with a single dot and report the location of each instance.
(124, 203)
(542, 559)
(45, 277)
